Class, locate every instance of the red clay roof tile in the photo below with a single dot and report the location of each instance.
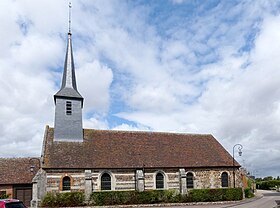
(127, 149)
(15, 171)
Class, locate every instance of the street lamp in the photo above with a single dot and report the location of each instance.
(32, 165)
(233, 161)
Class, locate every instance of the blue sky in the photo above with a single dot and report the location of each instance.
(188, 66)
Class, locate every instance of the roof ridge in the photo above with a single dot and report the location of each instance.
(150, 132)
(18, 157)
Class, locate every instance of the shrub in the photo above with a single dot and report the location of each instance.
(4, 196)
(68, 199)
(71, 199)
(210, 195)
(134, 197)
(248, 193)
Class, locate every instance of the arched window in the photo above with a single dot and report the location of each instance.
(105, 182)
(224, 179)
(159, 181)
(66, 183)
(189, 180)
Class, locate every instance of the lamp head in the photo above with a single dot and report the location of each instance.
(240, 152)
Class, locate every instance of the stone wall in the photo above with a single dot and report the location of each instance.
(54, 180)
(125, 179)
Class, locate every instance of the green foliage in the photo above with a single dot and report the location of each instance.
(71, 199)
(210, 195)
(164, 196)
(268, 178)
(250, 182)
(249, 193)
(267, 185)
(134, 197)
(68, 199)
(4, 196)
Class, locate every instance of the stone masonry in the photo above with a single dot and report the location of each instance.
(90, 180)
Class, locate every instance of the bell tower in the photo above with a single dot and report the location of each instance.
(68, 124)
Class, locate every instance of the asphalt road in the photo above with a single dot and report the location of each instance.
(267, 201)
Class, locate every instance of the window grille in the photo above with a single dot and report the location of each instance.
(66, 183)
(189, 180)
(224, 179)
(105, 182)
(159, 181)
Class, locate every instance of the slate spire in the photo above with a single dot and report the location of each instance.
(68, 85)
(68, 124)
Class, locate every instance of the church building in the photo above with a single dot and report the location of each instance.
(90, 160)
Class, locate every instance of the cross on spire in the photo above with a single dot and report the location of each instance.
(69, 16)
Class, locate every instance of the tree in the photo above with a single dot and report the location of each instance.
(268, 178)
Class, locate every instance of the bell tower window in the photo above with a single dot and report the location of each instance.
(68, 108)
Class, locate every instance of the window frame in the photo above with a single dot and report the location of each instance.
(225, 180)
(160, 181)
(66, 187)
(106, 185)
(190, 180)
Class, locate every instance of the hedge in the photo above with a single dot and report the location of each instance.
(134, 197)
(71, 199)
(68, 199)
(164, 196)
(211, 195)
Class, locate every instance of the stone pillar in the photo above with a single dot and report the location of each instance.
(183, 181)
(88, 184)
(38, 188)
(140, 183)
(35, 201)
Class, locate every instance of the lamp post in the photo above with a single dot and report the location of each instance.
(240, 147)
(32, 165)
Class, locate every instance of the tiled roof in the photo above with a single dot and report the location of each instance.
(16, 171)
(126, 149)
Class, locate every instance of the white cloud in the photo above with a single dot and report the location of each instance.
(95, 122)
(127, 127)
(210, 71)
(94, 84)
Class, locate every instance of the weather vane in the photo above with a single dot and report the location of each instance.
(70, 6)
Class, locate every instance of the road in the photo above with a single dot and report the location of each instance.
(267, 201)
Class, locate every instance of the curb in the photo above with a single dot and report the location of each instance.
(179, 204)
(230, 204)
(245, 201)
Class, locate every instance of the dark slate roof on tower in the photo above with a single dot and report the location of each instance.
(68, 85)
(16, 171)
(128, 149)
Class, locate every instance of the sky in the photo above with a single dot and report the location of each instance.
(189, 66)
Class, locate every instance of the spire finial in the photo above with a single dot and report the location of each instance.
(69, 17)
